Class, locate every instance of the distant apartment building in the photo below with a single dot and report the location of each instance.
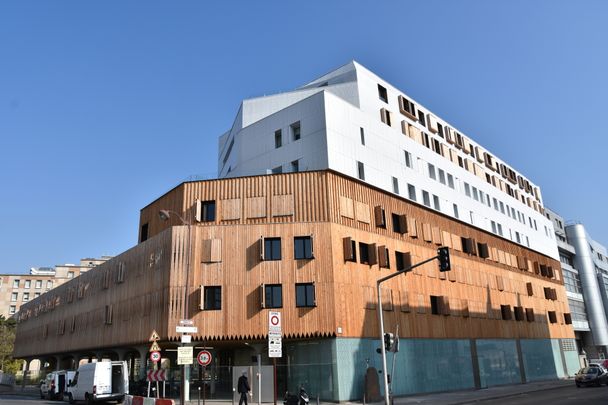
(17, 289)
(585, 268)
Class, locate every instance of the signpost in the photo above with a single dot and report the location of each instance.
(275, 347)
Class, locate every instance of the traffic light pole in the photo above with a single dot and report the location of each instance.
(387, 400)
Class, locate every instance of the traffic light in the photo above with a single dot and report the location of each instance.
(444, 259)
(389, 341)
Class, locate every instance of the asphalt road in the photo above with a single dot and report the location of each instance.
(560, 396)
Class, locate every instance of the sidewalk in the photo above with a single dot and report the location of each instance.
(444, 398)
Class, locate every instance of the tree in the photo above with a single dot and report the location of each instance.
(7, 342)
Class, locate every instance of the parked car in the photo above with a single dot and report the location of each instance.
(54, 386)
(101, 381)
(591, 376)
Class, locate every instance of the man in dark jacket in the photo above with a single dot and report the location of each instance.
(243, 388)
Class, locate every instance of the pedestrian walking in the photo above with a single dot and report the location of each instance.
(243, 388)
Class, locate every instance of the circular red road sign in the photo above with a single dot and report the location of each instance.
(155, 356)
(274, 320)
(204, 357)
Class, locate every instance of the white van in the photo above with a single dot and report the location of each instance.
(101, 381)
(54, 386)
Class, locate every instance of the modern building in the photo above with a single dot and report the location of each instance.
(17, 289)
(585, 267)
(310, 239)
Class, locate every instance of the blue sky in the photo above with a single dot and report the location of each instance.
(104, 106)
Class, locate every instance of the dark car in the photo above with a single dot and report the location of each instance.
(591, 376)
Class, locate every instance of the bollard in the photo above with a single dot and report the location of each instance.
(199, 395)
(233, 394)
(317, 399)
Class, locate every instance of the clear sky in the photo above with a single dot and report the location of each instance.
(106, 105)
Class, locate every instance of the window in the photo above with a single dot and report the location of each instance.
(360, 171)
(382, 93)
(432, 173)
(278, 138)
(436, 203)
(143, 234)
(399, 223)
(277, 170)
(395, 185)
(295, 131)
(15, 283)
(408, 159)
(552, 316)
(205, 211)
(38, 284)
(305, 295)
(272, 249)
(505, 311)
(302, 247)
(421, 118)
(450, 181)
(36, 295)
(49, 284)
(407, 107)
(455, 207)
(441, 176)
(14, 297)
(70, 274)
(12, 310)
(467, 189)
(385, 116)
(367, 253)
(435, 305)
(213, 298)
(273, 296)
(362, 133)
(28, 284)
(403, 260)
(411, 192)
(295, 166)
(426, 199)
(26, 297)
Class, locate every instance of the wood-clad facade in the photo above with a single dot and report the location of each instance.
(353, 235)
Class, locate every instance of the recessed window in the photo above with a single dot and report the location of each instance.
(273, 295)
(295, 131)
(295, 166)
(505, 311)
(36, 295)
(441, 176)
(467, 189)
(360, 171)
(411, 192)
(213, 298)
(205, 211)
(426, 198)
(302, 247)
(143, 234)
(28, 284)
(435, 305)
(455, 207)
(278, 138)
(436, 203)
(403, 260)
(363, 253)
(70, 274)
(408, 159)
(12, 310)
(49, 284)
(272, 248)
(305, 295)
(362, 133)
(15, 283)
(26, 297)
(385, 116)
(382, 93)
(432, 173)
(407, 107)
(421, 118)
(38, 284)
(14, 297)
(399, 223)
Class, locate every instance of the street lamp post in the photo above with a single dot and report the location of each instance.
(164, 215)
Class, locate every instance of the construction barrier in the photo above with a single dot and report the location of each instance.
(137, 400)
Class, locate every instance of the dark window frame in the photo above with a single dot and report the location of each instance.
(212, 298)
(305, 251)
(272, 249)
(309, 297)
(269, 295)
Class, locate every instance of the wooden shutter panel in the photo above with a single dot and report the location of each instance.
(552, 317)
(530, 289)
(499, 283)
(405, 302)
(412, 228)
(261, 245)
(349, 254)
(536, 268)
(198, 215)
(436, 232)
(444, 308)
(484, 252)
(519, 313)
(550, 272)
(567, 319)
(547, 291)
(383, 259)
(465, 308)
(372, 254)
(402, 224)
(379, 216)
(312, 247)
(262, 291)
(530, 314)
(543, 270)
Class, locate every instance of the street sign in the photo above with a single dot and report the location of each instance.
(186, 322)
(204, 358)
(156, 375)
(275, 348)
(154, 336)
(185, 355)
(155, 357)
(186, 329)
(186, 338)
(155, 347)
(274, 322)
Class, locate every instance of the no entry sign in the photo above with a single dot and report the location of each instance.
(204, 357)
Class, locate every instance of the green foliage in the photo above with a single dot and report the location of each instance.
(7, 341)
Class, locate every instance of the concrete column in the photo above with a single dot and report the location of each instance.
(57, 363)
(25, 371)
(520, 357)
(143, 359)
